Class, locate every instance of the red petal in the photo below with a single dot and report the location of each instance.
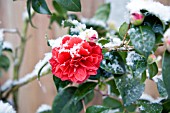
(65, 39)
(63, 57)
(81, 74)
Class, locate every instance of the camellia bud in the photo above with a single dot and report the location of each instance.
(151, 59)
(167, 39)
(137, 18)
(90, 35)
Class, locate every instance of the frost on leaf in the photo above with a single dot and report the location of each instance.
(136, 62)
(130, 89)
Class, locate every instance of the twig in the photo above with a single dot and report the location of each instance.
(84, 106)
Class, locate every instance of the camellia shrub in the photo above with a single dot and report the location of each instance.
(96, 57)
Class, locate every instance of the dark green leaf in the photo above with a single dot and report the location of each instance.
(47, 111)
(67, 23)
(103, 41)
(70, 5)
(29, 2)
(131, 108)
(88, 97)
(130, 89)
(60, 10)
(4, 62)
(143, 39)
(113, 87)
(113, 63)
(59, 83)
(63, 102)
(56, 18)
(97, 109)
(83, 90)
(103, 12)
(166, 106)
(166, 71)
(143, 78)
(161, 88)
(39, 71)
(40, 6)
(152, 69)
(112, 103)
(147, 107)
(123, 29)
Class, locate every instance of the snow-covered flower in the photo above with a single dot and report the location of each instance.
(153, 7)
(6, 108)
(89, 35)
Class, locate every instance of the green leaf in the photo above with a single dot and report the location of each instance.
(1, 43)
(113, 63)
(47, 111)
(102, 12)
(40, 6)
(161, 88)
(39, 71)
(89, 97)
(137, 63)
(97, 109)
(83, 90)
(29, 2)
(143, 78)
(166, 106)
(103, 41)
(166, 71)
(113, 87)
(112, 103)
(60, 10)
(123, 29)
(152, 69)
(67, 23)
(143, 39)
(131, 108)
(147, 107)
(70, 5)
(56, 18)
(63, 102)
(4, 62)
(59, 83)
(130, 89)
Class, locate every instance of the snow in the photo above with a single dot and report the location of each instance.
(6, 108)
(25, 14)
(150, 99)
(6, 85)
(43, 108)
(1, 35)
(156, 8)
(155, 78)
(94, 22)
(167, 33)
(55, 43)
(7, 45)
(131, 58)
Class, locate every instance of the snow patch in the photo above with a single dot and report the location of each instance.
(156, 8)
(43, 108)
(150, 99)
(6, 85)
(7, 45)
(6, 108)
(155, 78)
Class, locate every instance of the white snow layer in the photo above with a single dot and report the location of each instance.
(150, 99)
(43, 108)
(7, 45)
(156, 8)
(155, 78)
(1, 34)
(6, 108)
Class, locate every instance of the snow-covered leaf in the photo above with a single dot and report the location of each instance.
(147, 107)
(161, 88)
(113, 63)
(130, 89)
(143, 39)
(98, 109)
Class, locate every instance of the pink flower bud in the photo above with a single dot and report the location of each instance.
(137, 18)
(167, 43)
(151, 58)
(90, 35)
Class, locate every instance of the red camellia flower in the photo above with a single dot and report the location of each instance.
(76, 59)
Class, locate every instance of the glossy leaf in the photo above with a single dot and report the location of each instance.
(4, 62)
(130, 89)
(123, 29)
(112, 103)
(40, 6)
(166, 106)
(97, 109)
(59, 83)
(143, 39)
(63, 102)
(152, 69)
(166, 71)
(113, 87)
(103, 12)
(60, 10)
(70, 5)
(83, 90)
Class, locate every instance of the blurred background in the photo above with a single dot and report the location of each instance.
(31, 96)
